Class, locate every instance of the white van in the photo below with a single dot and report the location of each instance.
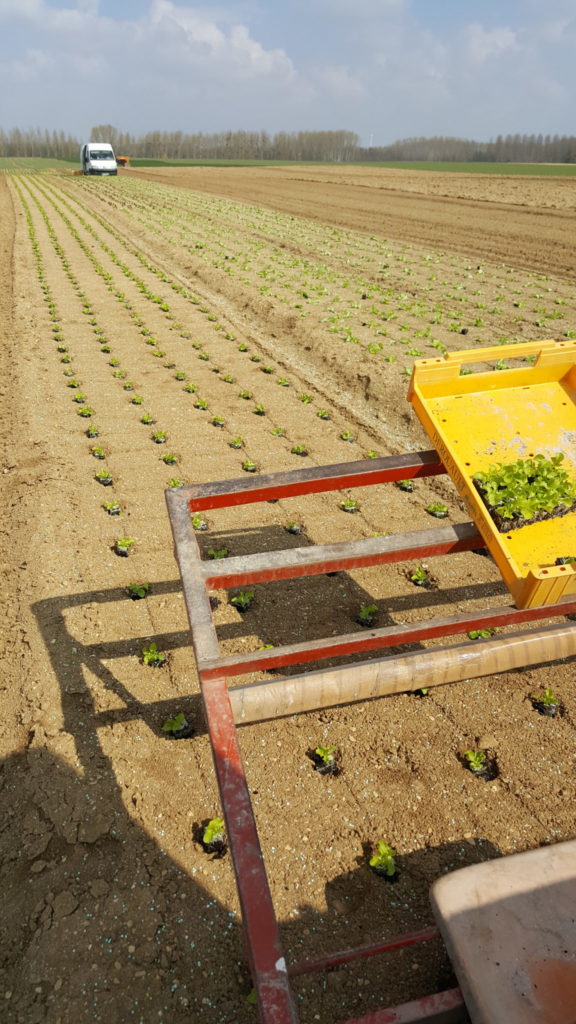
(98, 158)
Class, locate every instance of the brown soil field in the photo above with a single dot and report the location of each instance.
(520, 221)
(306, 298)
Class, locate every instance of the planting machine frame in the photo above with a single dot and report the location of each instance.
(227, 706)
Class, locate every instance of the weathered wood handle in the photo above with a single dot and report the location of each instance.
(432, 667)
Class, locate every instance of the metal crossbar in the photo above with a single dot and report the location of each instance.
(226, 707)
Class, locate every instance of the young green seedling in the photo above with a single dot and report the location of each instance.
(259, 410)
(138, 591)
(349, 505)
(93, 430)
(367, 614)
(249, 467)
(383, 862)
(97, 452)
(299, 449)
(103, 477)
(237, 442)
(217, 421)
(437, 510)
(476, 761)
(242, 600)
(112, 508)
(123, 545)
(218, 553)
(294, 528)
(147, 419)
(213, 837)
(169, 459)
(346, 436)
(420, 576)
(199, 523)
(152, 656)
(159, 437)
(177, 728)
(545, 703)
(481, 634)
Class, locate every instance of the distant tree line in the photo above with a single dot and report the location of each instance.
(554, 149)
(338, 146)
(328, 146)
(35, 142)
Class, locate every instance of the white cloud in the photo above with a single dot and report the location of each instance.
(360, 8)
(483, 44)
(339, 83)
(201, 41)
(31, 65)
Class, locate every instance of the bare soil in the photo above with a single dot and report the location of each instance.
(516, 220)
(112, 911)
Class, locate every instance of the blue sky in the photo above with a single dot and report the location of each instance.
(385, 69)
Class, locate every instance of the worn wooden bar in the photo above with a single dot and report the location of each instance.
(245, 491)
(434, 666)
(322, 558)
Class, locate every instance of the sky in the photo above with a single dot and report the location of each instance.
(385, 69)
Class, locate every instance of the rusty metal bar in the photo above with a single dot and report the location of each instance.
(317, 559)
(376, 639)
(441, 1008)
(337, 477)
(322, 963)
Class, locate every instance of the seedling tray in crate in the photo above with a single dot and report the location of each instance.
(500, 416)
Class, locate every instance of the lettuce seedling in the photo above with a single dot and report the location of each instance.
(137, 591)
(159, 437)
(545, 703)
(349, 505)
(437, 510)
(198, 522)
(526, 491)
(405, 485)
(213, 836)
(242, 600)
(112, 508)
(103, 477)
(476, 760)
(367, 614)
(123, 545)
(384, 861)
(299, 449)
(218, 553)
(178, 727)
(152, 656)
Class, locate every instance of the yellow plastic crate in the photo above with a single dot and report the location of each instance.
(500, 416)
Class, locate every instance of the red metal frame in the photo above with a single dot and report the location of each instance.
(270, 972)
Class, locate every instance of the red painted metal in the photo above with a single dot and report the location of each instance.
(442, 1008)
(269, 969)
(378, 639)
(323, 558)
(245, 491)
(265, 954)
(322, 963)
